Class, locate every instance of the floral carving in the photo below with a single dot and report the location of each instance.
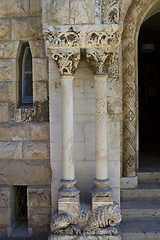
(110, 11)
(99, 60)
(67, 61)
(103, 39)
(63, 39)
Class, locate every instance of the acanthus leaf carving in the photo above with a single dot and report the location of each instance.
(67, 60)
(99, 59)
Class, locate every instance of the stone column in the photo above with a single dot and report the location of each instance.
(99, 60)
(67, 61)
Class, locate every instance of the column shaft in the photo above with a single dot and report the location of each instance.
(101, 127)
(67, 127)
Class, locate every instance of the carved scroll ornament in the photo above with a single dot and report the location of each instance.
(99, 59)
(101, 221)
(67, 61)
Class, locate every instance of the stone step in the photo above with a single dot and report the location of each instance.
(146, 177)
(140, 208)
(144, 191)
(141, 229)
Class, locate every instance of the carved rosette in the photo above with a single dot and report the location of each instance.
(99, 59)
(67, 60)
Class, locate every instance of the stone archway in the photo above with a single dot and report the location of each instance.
(138, 11)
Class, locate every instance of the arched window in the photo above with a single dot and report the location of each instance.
(26, 80)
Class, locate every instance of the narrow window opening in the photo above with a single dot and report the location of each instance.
(21, 202)
(25, 74)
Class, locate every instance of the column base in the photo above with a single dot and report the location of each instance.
(81, 237)
(69, 200)
(101, 194)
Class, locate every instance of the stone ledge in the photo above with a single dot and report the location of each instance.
(80, 237)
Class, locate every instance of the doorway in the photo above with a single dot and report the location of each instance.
(149, 94)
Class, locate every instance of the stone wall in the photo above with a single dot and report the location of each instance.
(24, 130)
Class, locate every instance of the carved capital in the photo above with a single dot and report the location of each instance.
(67, 60)
(99, 59)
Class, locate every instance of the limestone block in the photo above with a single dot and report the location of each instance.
(78, 89)
(7, 67)
(26, 28)
(84, 106)
(4, 89)
(5, 196)
(40, 90)
(36, 150)
(114, 173)
(35, 7)
(3, 112)
(90, 141)
(37, 48)
(85, 168)
(77, 237)
(13, 132)
(10, 150)
(81, 11)
(5, 217)
(114, 108)
(39, 196)
(79, 151)
(113, 135)
(39, 131)
(18, 172)
(84, 117)
(8, 49)
(89, 91)
(38, 217)
(57, 12)
(14, 8)
(5, 29)
(114, 154)
(40, 69)
(56, 132)
(78, 131)
(56, 150)
(70, 205)
(12, 91)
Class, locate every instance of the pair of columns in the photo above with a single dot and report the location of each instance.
(67, 62)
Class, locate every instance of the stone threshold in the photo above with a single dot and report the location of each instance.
(81, 237)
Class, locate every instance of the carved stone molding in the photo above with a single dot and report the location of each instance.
(81, 37)
(99, 59)
(67, 60)
(110, 11)
(133, 19)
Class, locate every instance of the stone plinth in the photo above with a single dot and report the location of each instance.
(80, 237)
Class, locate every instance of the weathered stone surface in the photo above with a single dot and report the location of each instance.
(81, 11)
(74, 237)
(41, 111)
(38, 217)
(13, 132)
(7, 69)
(41, 231)
(3, 232)
(57, 12)
(40, 69)
(10, 150)
(39, 131)
(8, 49)
(5, 196)
(40, 91)
(26, 28)
(37, 48)
(5, 29)
(4, 96)
(3, 112)
(36, 150)
(36, 8)
(39, 196)
(18, 172)
(5, 217)
(14, 8)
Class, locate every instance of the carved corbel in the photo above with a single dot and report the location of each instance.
(67, 60)
(99, 59)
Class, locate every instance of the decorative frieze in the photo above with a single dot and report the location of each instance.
(67, 61)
